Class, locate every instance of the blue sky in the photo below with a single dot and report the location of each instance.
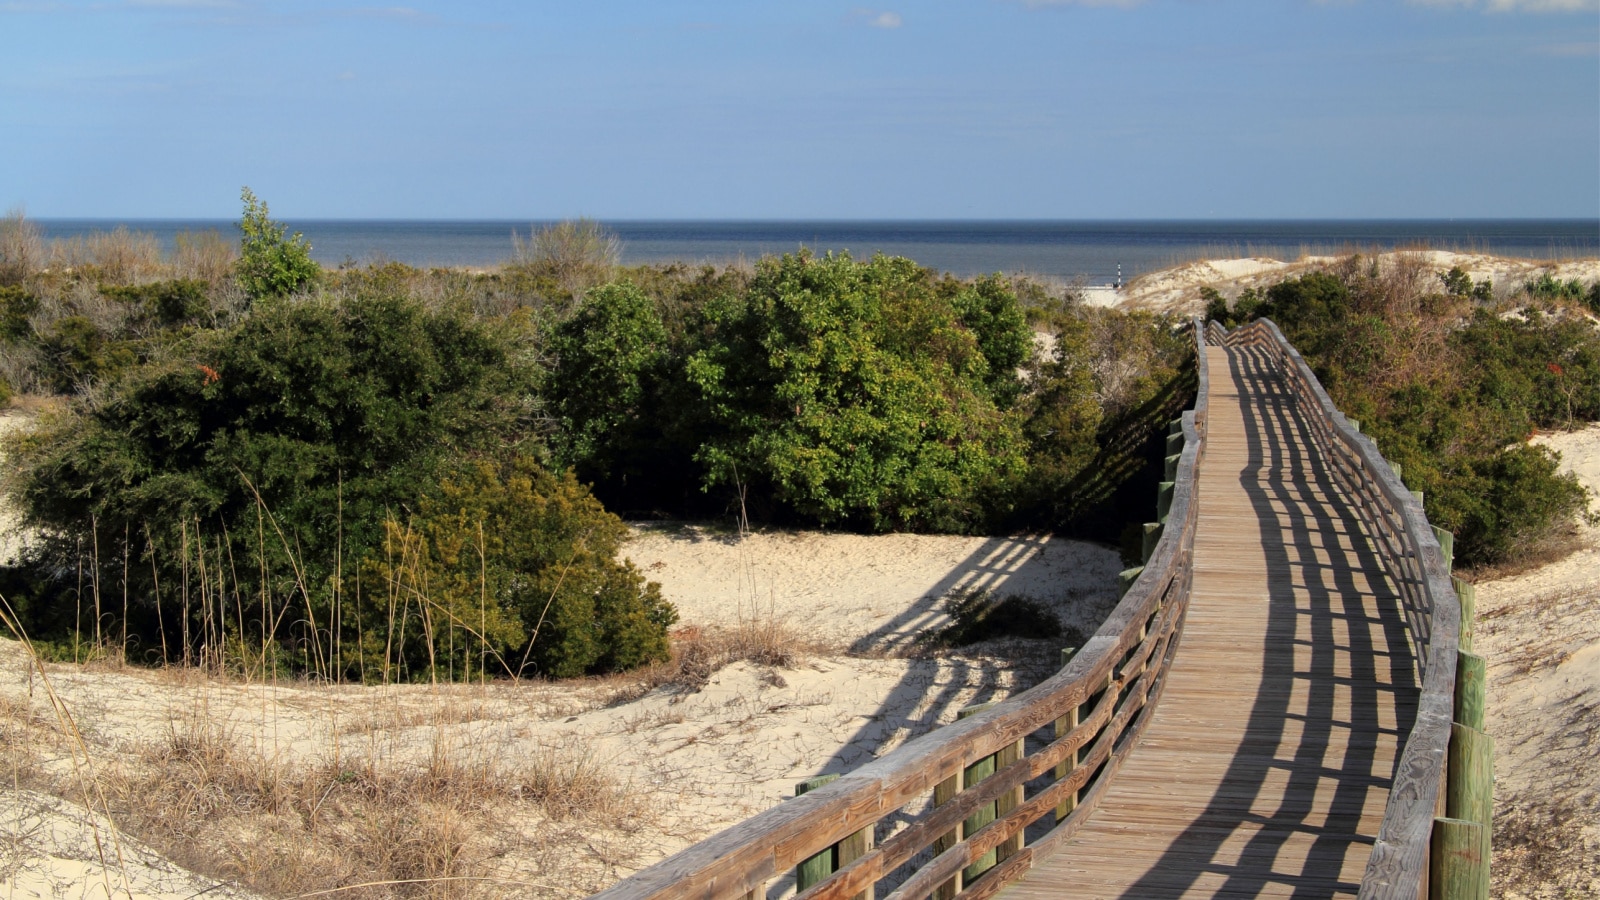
(943, 109)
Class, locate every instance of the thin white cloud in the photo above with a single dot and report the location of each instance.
(1046, 4)
(1577, 49)
(1511, 6)
(184, 4)
(876, 18)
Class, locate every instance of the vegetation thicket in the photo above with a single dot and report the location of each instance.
(382, 472)
(1451, 383)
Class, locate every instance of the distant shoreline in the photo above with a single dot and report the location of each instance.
(1086, 252)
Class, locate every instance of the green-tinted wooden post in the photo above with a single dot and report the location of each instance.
(1469, 789)
(1164, 494)
(1468, 595)
(943, 793)
(1064, 726)
(823, 864)
(1175, 426)
(1127, 577)
(1459, 861)
(1174, 444)
(985, 814)
(1152, 537)
(1355, 425)
(1172, 468)
(1398, 471)
(1417, 495)
(1471, 689)
(1447, 546)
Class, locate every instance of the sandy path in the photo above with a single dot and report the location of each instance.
(869, 593)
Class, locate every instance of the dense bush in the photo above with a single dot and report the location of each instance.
(1451, 390)
(527, 560)
(287, 442)
(609, 361)
(855, 392)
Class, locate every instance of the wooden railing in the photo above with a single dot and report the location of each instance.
(966, 809)
(1410, 848)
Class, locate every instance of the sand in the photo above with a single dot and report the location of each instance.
(1177, 290)
(1540, 632)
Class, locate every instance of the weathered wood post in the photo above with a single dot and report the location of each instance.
(1468, 595)
(836, 857)
(1152, 537)
(984, 814)
(1458, 861)
(1064, 726)
(822, 865)
(1471, 670)
(1447, 546)
(1126, 578)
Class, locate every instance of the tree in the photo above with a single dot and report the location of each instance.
(270, 264)
(856, 392)
(608, 357)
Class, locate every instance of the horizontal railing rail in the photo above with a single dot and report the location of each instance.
(966, 809)
(1399, 864)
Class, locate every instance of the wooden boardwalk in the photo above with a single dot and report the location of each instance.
(1266, 767)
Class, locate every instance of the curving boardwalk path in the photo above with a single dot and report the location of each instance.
(1266, 767)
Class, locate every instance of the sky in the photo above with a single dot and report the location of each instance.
(946, 109)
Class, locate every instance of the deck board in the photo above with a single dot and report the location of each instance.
(1266, 767)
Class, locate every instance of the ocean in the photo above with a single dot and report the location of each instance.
(1088, 252)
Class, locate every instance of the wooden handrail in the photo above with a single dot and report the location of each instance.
(1101, 700)
(1398, 866)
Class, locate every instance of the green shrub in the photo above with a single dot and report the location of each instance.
(1452, 393)
(530, 561)
(166, 303)
(855, 393)
(79, 354)
(16, 306)
(271, 264)
(289, 438)
(609, 360)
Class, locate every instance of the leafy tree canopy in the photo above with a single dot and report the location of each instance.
(857, 391)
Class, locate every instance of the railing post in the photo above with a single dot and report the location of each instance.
(1458, 861)
(1164, 494)
(985, 814)
(1152, 537)
(823, 864)
(1471, 693)
(1447, 546)
(1468, 596)
(1064, 726)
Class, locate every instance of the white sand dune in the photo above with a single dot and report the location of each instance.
(1177, 290)
(1540, 632)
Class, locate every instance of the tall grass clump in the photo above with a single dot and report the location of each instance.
(22, 249)
(574, 255)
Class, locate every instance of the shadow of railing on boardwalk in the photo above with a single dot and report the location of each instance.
(1282, 475)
